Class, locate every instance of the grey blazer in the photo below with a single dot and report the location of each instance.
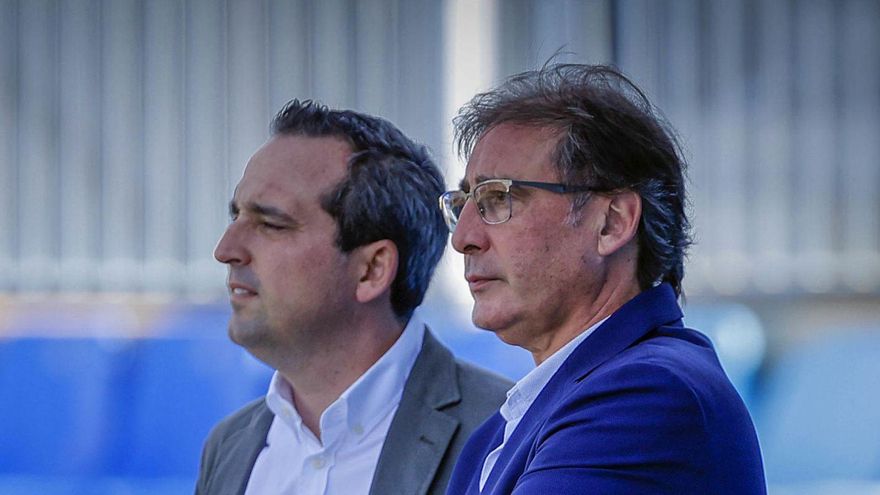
(443, 401)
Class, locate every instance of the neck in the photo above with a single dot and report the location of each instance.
(321, 377)
(614, 293)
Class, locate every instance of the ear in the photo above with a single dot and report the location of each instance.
(622, 216)
(377, 269)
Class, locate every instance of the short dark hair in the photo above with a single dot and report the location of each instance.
(612, 138)
(390, 192)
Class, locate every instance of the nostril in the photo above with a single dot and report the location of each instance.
(470, 249)
(224, 253)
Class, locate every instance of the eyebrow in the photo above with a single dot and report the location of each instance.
(483, 178)
(464, 186)
(262, 210)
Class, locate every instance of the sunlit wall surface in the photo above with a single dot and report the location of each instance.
(125, 124)
(778, 104)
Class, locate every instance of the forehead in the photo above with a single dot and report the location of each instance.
(290, 168)
(515, 152)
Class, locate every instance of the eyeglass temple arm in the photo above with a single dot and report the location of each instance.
(557, 188)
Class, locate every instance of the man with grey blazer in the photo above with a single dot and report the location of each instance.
(333, 238)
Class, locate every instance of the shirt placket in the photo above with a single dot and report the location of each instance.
(320, 464)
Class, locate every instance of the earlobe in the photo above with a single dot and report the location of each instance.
(621, 222)
(377, 269)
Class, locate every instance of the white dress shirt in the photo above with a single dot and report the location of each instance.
(521, 396)
(353, 429)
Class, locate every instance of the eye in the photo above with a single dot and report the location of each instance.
(457, 201)
(493, 197)
(271, 226)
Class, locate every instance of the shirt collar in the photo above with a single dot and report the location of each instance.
(378, 391)
(279, 400)
(526, 390)
(366, 401)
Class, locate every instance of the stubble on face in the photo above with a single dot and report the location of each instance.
(299, 277)
(249, 328)
(540, 259)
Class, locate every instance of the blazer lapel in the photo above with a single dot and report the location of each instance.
(420, 432)
(648, 310)
(240, 451)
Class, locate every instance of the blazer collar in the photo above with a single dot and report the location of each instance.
(420, 432)
(241, 451)
(650, 309)
(417, 439)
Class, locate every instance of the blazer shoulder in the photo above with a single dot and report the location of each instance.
(443, 401)
(473, 377)
(443, 382)
(482, 391)
(684, 356)
(236, 421)
(219, 448)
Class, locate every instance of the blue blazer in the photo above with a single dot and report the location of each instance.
(641, 406)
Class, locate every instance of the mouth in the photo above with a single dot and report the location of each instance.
(477, 283)
(241, 291)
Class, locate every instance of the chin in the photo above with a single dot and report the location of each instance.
(243, 333)
(486, 318)
(478, 318)
(501, 323)
(235, 334)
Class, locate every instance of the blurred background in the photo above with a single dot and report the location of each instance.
(125, 125)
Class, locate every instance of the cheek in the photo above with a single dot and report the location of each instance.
(534, 250)
(547, 260)
(320, 270)
(303, 253)
(284, 272)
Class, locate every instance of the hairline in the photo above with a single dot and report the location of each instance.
(558, 131)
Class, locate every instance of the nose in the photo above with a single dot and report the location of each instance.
(230, 249)
(470, 231)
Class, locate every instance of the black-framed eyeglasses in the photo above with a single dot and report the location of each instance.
(492, 198)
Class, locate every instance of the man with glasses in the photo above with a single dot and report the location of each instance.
(571, 218)
(333, 236)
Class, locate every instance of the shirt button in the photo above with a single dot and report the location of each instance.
(318, 463)
(357, 429)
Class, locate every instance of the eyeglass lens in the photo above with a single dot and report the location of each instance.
(493, 200)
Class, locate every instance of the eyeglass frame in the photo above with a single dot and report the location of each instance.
(553, 187)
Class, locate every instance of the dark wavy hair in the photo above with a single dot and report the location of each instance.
(613, 138)
(390, 192)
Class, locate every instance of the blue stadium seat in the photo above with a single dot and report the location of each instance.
(179, 388)
(58, 414)
(83, 485)
(820, 417)
(117, 415)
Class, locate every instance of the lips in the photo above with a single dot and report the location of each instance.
(238, 290)
(479, 282)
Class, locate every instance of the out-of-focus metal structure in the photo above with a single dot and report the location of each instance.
(778, 104)
(124, 124)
